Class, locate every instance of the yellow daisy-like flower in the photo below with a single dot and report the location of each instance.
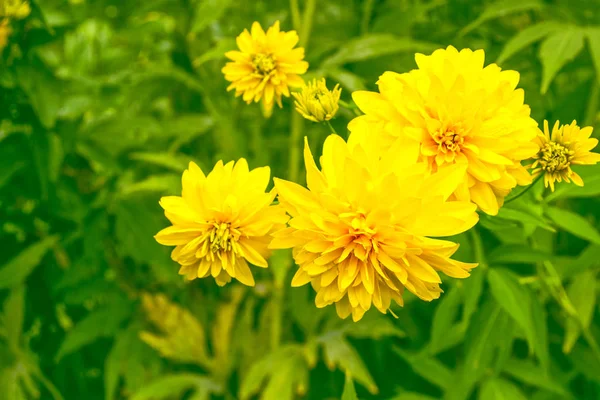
(18, 9)
(266, 66)
(567, 145)
(453, 110)
(361, 231)
(5, 32)
(221, 222)
(317, 103)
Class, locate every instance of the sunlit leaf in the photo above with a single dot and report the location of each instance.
(12, 316)
(558, 49)
(574, 224)
(349, 392)
(518, 254)
(168, 386)
(526, 37)
(593, 37)
(582, 293)
(500, 389)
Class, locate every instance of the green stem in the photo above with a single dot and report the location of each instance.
(592, 106)
(478, 250)
(331, 128)
(307, 22)
(295, 11)
(524, 190)
(295, 146)
(366, 17)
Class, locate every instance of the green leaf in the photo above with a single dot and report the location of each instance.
(176, 385)
(43, 91)
(593, 37)
(444, 319)
(582, 293)
(99, 323)
(207, 12)
(373, 326)
(175, 162)
(7, 171)
(522, 217)
(591, 188)
(471, 289)
(558, 49)
(348, 80)
(588, 258)
(540, 329)
(517, 254)
(514, 299)
(375, 45)
(215, 53)
(412, 396)
(349, 392)
(429, 368)
(338, 352)
(12, 316)
(163, 184)
(500, 9)
(528, 372)
(500, 389)
(526, 37)
(18, 269)
(574, 224)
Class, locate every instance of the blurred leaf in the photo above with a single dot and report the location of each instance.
(540, 328)
(591, 188)
(501, 9)
(471, 289)
(12, 316)
(285, 370)
(55, 156)
(7, 171)
(588, 258)
(176, 385)
(574, 224)
(373, 326)
(500, 389)
(163, 184)
(339, 352)
(515, 300)
(347, 80)
(444, 319)
(43, 91)
(175, 162)
(582, 293)
(593, 36)
(207, 12)
(531, 374)
(585, 361)
(526, 37)
(18, 268)
(513, 214)
(518, 254)
(558, 49)
(372, 46)
(99, 323)
(349, 392)
(429, 368)
(412, 396)
(217, 52)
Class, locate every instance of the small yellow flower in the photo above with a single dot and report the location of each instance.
(453, 110)
(180, 336)
(5, 32)
(17, 9)
(221, 222)
(266, 66)
(568, 145)
(361, 231)
(317, 103)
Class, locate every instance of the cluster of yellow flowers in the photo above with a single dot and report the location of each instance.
(11, 9)
(434, 145)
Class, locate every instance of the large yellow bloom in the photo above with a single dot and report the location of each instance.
(568, 145)
(360, 233)
(266, 66)
(221, 222)
(453, 110)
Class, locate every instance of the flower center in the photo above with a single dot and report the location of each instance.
(221, 237)
(555, 157)
(263, 63)
(449, 140)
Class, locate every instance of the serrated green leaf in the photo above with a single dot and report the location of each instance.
(574, 224)
(501, 9)
(349, 392)
(500, 389)
(374, 45)
(176, 385)
(582, 293)
(526, 37)
(99, 323)
(557, 50)
(514, 300)
(18, 269)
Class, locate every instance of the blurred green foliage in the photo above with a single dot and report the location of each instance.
(104, 102)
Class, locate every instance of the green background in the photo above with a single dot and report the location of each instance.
(105, 102)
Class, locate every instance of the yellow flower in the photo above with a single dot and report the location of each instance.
(361, 232)
(266, 66)
(5, 32)
(17, 9)
(453, 110)
(317, 103)
(221, 222)
(568, 145)
(180, 336)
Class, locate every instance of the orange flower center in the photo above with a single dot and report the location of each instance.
(364, 241)
(449, 140)
(263, 63)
